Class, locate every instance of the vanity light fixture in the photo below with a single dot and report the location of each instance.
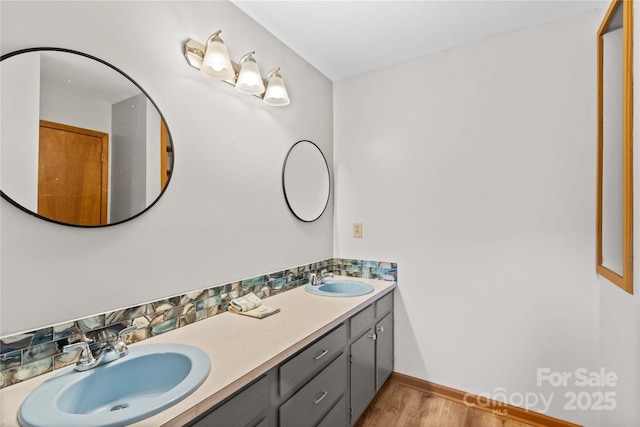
(213, 61)
(276, 93)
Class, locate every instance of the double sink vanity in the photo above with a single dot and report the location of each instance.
(320, 361)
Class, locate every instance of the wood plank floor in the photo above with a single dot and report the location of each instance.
(399, 405)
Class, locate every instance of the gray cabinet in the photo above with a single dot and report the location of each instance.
(314, 400)
(371, 353)
(361, 321)
(337, 415)
(363, 373)
(384, 349)
(309, 361)
(327, 384)
(384, 305)
(245, 409)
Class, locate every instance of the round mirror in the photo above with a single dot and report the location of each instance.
(82, 143)
(305, 181)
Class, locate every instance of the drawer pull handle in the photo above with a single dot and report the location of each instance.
(372, 336)
(321, 355)
(318, 400)
(380, 329)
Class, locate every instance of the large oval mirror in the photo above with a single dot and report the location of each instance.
(82, 143)
(305, 181)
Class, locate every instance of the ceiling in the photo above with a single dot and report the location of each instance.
(346, 38)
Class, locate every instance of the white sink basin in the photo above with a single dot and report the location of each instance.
(148, 380)
(340, 288)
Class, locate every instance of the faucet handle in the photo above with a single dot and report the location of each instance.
(119, 345)
(70, 347)
(86, 357)
(128, 330)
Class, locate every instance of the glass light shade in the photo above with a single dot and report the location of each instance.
(216, 62)
(250, 79)
(276, 93)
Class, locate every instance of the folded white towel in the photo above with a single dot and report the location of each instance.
(246, 303)
(251, 305)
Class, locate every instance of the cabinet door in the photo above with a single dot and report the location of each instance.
(384, 349)
(363, 373)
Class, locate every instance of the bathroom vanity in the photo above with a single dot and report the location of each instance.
(329, 383)
(319, 361)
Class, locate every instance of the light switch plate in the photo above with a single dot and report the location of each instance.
(357, 229)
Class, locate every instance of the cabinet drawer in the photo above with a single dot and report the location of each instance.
(312, 359)
(384, 305)
(361, 321)
(307, 405)
(241, 408)
(337, 416)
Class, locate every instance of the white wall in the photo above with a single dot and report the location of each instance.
(20, 114)
(619, 341)
(223, 216)
(474, 169)
(75, 109)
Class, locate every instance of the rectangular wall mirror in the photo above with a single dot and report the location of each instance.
(614, 216)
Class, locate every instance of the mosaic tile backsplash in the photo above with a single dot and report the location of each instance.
(24, 356)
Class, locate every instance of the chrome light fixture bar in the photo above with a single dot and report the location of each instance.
(213, 61)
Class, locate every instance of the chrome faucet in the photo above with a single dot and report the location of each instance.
(113, 350)
(324, 275)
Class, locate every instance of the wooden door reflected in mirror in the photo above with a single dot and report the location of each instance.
(614, 216)
(72, 174)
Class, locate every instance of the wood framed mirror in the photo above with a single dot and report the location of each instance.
(614, 216)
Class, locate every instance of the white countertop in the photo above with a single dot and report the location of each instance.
(241, 348)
